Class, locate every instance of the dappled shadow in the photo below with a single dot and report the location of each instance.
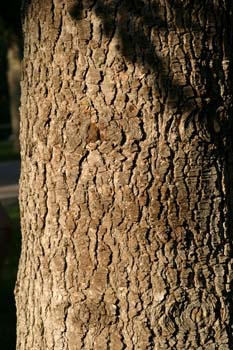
(201, 29)
(141, 26)
(203, 32)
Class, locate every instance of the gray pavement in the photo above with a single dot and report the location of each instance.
(9, 178)
(9, 192)
(9, 172)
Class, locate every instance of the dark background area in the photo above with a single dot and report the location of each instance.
(10, 30)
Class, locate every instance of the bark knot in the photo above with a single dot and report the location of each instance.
(93, 133)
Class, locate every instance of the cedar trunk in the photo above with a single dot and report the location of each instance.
(126, 183)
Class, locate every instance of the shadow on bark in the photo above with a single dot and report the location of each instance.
(135, 21)
(139, 26)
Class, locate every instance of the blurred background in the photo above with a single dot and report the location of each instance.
(10, 65)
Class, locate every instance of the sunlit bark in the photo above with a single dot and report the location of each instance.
(126, 198)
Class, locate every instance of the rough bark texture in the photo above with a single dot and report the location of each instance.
(125, 197)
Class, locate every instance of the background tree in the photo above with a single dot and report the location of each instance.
(4, 98)
(11, 52)
(126, 196)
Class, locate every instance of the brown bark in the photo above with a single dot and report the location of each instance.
(126, 201)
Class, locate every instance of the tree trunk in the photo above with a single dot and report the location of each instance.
(126, 195)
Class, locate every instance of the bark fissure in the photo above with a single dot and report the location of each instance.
(126, 197)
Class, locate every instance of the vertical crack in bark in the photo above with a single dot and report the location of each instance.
(132, 233)
(57, 24)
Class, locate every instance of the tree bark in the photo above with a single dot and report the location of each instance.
(126, 195)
